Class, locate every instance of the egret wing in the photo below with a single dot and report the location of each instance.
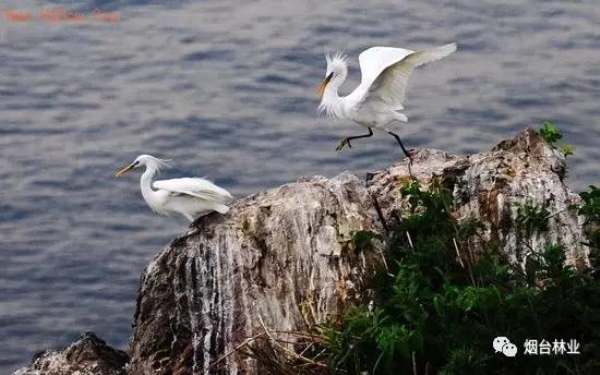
(196, 187)
(374, 60)
(389, 87)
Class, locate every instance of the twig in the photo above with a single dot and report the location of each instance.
(414, 363)
(244, 343)
(458, 253)
(302, 335)
(462, 264)
(321, 353)
(550, 216)
(385, 264)
(380, 213)
(307, 348)
(377, 362)
(286, 350)
(410, 241)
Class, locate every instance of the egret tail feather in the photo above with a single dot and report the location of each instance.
(401, 117)
(221, 208)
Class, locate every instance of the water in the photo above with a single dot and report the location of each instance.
(225, 89)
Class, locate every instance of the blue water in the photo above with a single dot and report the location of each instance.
(225, 89)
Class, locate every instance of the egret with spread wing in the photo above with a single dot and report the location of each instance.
(379, 98)
(191, 197)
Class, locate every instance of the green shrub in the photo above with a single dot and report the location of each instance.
(447, 299)
(591, 210)
(591, 205)
(550, 133)
(531, 218)
(552, 136)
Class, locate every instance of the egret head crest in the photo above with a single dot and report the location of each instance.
(337, 69)
(335, 58)
(145, 160)
(153, 162)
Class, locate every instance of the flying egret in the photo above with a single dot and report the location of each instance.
(377, 100)
(191, 197)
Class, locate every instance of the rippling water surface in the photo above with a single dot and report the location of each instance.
(225, 89)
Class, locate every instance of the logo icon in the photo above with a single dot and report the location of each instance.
(503, 345)
(509, 350)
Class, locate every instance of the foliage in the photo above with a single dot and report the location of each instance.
(591, 210)
(443, 300)
(363, 238)
(591, 206)
(567, 150)
(531, 218)
(549, 131)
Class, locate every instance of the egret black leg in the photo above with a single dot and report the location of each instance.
(401, 145)
(346, 141)
(405, 153)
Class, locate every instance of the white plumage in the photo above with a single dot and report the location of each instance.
(377, 100)
(191, 197)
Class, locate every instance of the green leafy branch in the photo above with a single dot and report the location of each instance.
(552, 135)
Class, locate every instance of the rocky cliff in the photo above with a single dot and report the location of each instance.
(89, 355)
(281, 260)
(278, 258)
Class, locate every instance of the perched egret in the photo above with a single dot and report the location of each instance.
(191, 197)
(376, 102)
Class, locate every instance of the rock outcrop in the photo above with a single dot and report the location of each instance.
(490, 185)
(283, 259)
(280, 258)
(89, 355)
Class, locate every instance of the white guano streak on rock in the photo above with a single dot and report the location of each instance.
(285, 255)
(192, 316)
(227, 298)
(220, 269)
(206, 299)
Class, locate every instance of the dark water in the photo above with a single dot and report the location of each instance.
(225, 89)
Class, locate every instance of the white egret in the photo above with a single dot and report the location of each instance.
(190, 197)
(377, 100)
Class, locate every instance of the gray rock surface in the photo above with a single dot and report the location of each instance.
(488, 186)
(282, 256)
(282, 259)
(89, 355)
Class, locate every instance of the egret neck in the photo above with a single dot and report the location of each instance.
(332, 103)
(148, 193)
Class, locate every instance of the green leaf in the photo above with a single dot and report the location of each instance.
(364, 238)
(550, 133)
(531, 218)
(567, 150)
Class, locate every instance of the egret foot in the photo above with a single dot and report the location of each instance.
(410, 161)
(343, 143)
(346, 141)
(409, 155)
